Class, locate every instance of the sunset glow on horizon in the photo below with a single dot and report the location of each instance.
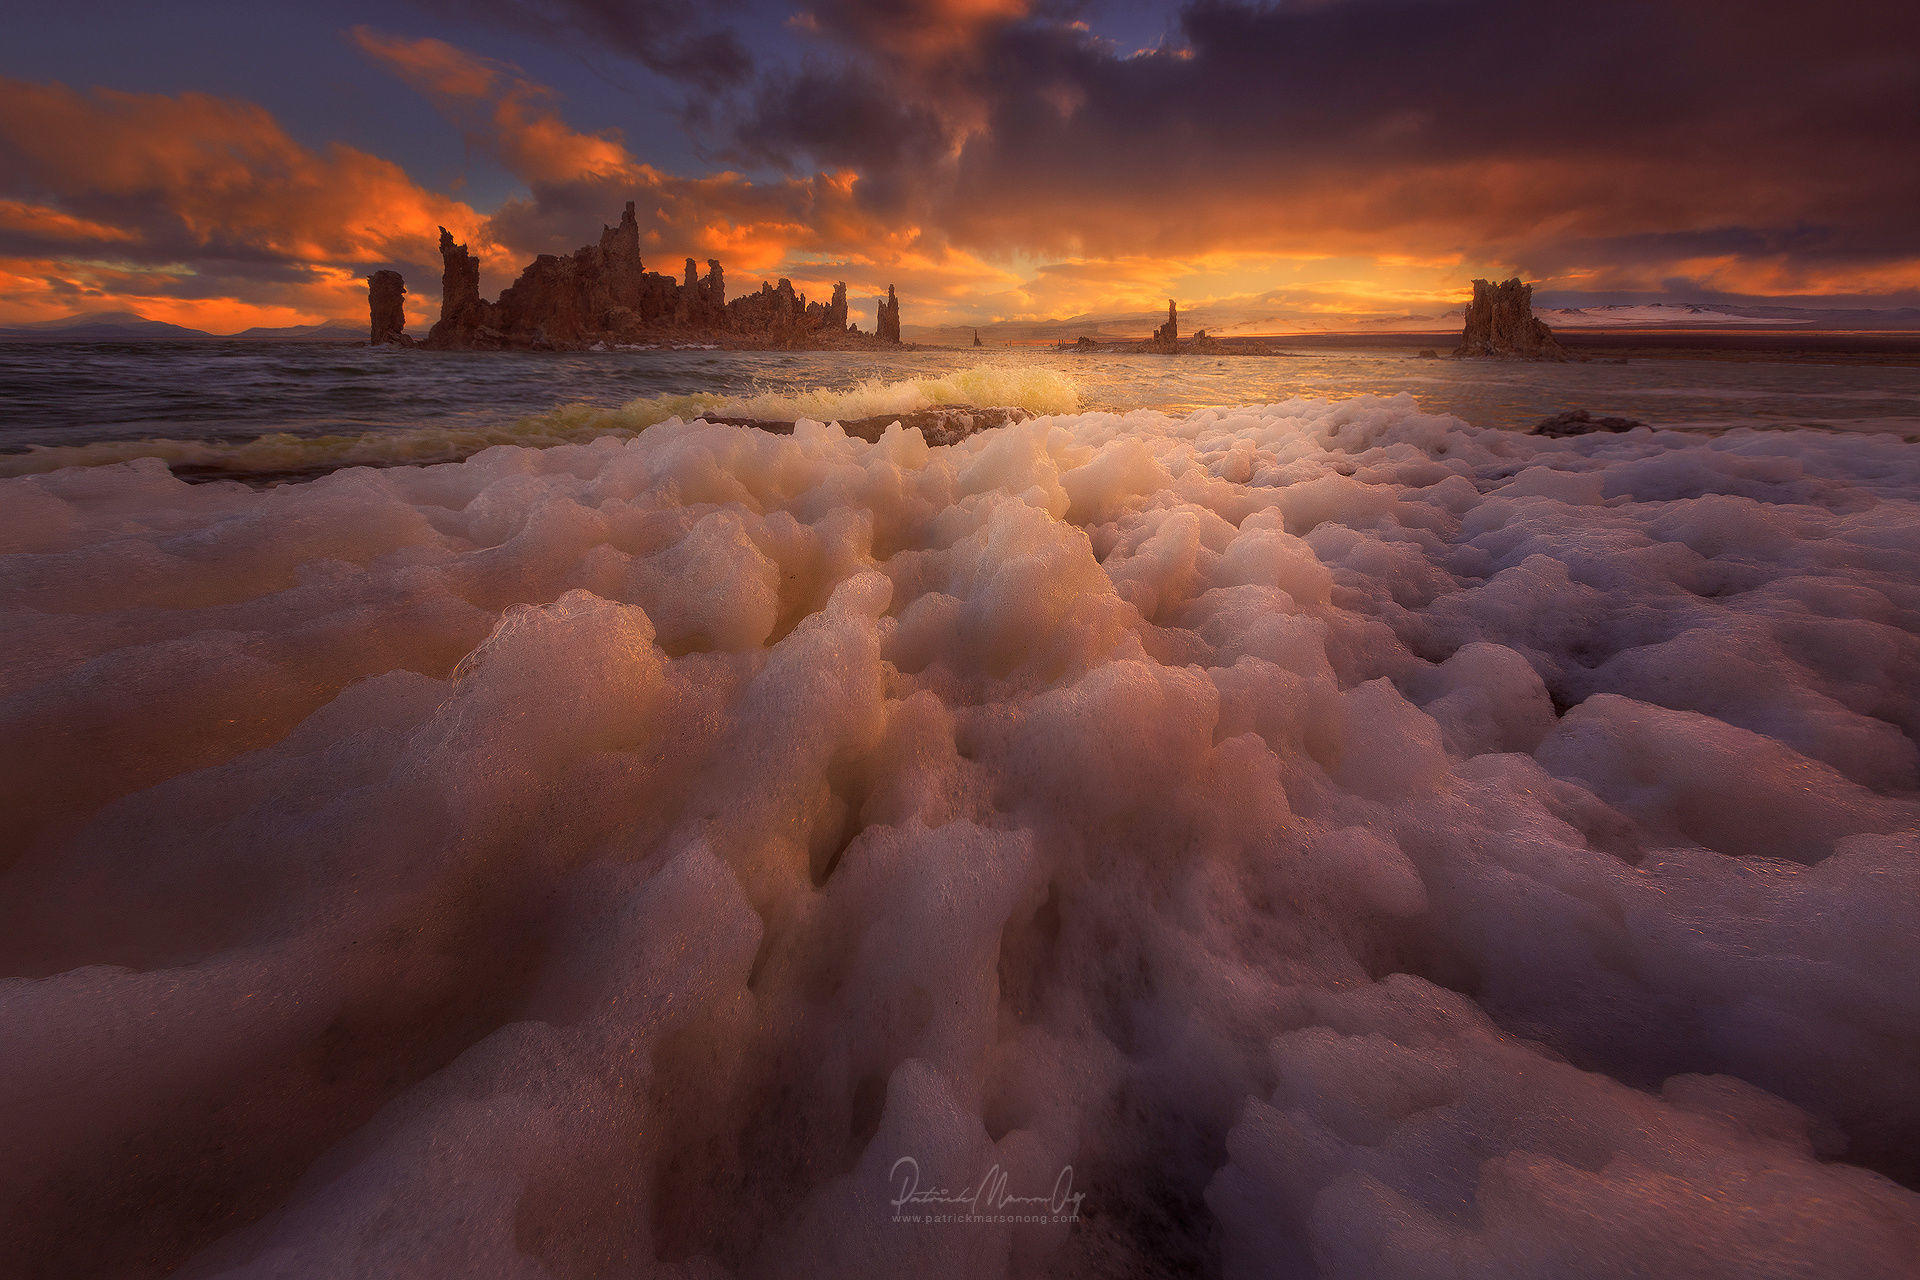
(1000, 161)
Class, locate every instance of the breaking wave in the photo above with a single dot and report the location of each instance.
(1039, 389)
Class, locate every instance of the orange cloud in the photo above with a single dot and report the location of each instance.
(1066, 198)
(199, 210)
(519, 117)
(192, 171)
(34, 289)
(42, 222)
(920, 31)
(814, 230)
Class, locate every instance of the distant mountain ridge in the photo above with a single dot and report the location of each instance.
(323, 331)
(120, 326)
(127, 326)
(1729, 315)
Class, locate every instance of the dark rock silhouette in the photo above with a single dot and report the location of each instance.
(1500, 323)
(775, 308)
(602, 294)
(387, 307)
(948, 424)
(1578, 422)
(1166, 338)
(703, 300)
(1166, 342)
(460, 304)
(830, 316)
(886, 318)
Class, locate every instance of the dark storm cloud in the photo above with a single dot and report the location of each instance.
(1445, 125)
(845, 116)
(682, 39)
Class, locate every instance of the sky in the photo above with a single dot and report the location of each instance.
(1307, 163)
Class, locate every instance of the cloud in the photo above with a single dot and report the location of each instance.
(676, 38)
(919, 32)
(162, 194)
(1006, 159)
(1501, 131)
(836, 118)
(816, 227)
(498, 106)
(25, 223)
(46, 288)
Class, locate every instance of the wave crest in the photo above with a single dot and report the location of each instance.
(286, 454)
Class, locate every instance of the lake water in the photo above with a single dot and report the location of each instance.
(240, 407)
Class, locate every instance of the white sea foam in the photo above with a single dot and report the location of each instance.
(1356, 844)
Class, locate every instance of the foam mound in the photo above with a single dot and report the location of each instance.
(1307, 839)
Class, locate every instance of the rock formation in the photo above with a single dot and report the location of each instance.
(603, 294)
(460, 304)
(773, 309)
(387, 307)
(1500, 323)
(703, 300)
(886, 318)
(1166, 341)
(948, 424)
(1167, 337)
(830, 317)
(1578, 422)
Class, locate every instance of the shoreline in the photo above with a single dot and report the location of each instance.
(1890, 347)
(367, 409)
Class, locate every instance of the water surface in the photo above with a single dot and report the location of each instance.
(195, 404)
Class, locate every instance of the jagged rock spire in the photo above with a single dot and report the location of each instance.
(1167, 337)
(386, 307)
(1500, 322)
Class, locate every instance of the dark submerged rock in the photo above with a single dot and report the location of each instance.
(945, 425)
(1578, 422)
